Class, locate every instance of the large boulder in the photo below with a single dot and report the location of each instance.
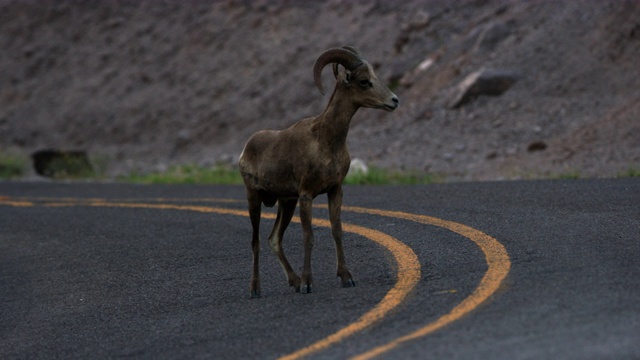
(482, 82)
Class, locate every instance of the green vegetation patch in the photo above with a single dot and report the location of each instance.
(69, 167)
(571, 175)
(188, 174)
(379, 176)
(12, 167)
(226, 175)
(631, 172)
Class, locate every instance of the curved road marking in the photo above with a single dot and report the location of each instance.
(496, 257)
(408, 276)
(495, 253)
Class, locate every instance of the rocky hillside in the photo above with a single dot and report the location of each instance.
(488, 89)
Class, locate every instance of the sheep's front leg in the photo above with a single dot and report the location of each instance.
(255, 209)
(335, 205)
(305, 218)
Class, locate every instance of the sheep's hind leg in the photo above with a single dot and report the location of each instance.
(286, 208)
(255, 204)
(305, 218)
(335, 204)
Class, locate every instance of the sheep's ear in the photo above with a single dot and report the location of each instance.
(344, 77)
(347, 77)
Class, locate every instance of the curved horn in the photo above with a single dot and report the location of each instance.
(335, 65)
(353, 50)
(342, 56)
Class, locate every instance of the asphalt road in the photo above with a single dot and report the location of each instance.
(503, 270)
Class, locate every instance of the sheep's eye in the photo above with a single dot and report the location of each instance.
(365, 83)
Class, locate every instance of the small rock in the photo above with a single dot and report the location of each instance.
(537, 146)
(357, 166)
(184, 135)
(161, 167)
(419, 21)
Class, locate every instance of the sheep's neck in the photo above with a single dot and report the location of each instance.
(335, 120)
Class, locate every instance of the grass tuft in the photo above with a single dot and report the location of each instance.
(12, 167)
(188, 174)
(571, 175)
(631, 172)
(379, 176)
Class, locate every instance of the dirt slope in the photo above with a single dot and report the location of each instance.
(145, 84)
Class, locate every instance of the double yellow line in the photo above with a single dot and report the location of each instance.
(408, 266)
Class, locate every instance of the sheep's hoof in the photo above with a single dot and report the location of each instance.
(306, 289)
(294, 281)
(348, 283)
(255, 294)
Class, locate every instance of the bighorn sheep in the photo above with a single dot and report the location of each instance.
(307, 159)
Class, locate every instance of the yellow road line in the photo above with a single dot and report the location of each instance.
(129, 200)
(408, 276)
(497, 260)
(19, 203)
